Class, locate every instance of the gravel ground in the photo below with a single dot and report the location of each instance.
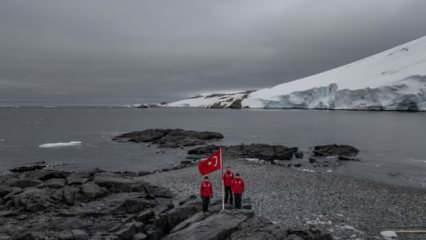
(349, 208)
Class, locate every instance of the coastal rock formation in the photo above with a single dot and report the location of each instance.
(321, 157)
(343, 152)
(53, 204)
(260, 151)
(171, 138)
(32, 167)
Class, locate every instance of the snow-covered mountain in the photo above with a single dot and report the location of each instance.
(392, 80)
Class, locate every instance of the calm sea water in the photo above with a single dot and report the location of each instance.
(393, 145)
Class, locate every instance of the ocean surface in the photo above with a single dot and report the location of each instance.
(392, 144)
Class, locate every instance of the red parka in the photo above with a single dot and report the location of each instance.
(228, 176)
(206, 189)
(237, 185)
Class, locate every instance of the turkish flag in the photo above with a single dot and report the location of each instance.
(211, 164)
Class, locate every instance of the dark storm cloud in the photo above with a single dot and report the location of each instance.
(106, 51)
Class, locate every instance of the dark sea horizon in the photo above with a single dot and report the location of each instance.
(392, 144)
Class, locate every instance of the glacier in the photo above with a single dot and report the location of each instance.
(391, 80)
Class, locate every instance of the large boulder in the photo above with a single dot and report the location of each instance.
(92, 190)
(259, 228)
(4, 190)
(135, 205)
(78, 178)
(156, 191)
(70, 194)
(54, 183)
(168, 220)
(32, 199)
(129, 230)
(79, 234)
(216, 227)
(114, 183)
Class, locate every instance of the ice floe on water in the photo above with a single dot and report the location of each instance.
(60, 144)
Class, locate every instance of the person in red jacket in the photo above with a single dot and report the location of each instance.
(237, 187)
(228, 176)
(206, 193)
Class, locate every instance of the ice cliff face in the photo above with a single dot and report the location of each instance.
(392, 80)
(405, 95)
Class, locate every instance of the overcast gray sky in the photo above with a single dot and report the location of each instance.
(127, 51)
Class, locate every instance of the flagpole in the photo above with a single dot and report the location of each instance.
(221, 178)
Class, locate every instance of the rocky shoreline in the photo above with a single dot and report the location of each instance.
(347, 208)
(298, 189)
(200, 144)
(41, 203)
(300, 202)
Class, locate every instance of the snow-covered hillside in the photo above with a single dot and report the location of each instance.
(392, 80)
(213, 100)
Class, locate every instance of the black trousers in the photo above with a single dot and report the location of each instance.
(237, 198)
(206, 202)
(228, 195)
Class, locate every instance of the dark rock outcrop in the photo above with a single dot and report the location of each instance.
(260, 151)
(31, 167)
(214, 227)
(204, 150)
(170, 138)
(343, 152)
(110, 205)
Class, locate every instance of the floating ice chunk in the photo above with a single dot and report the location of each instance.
(61, 144)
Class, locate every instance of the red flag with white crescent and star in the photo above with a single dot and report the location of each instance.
(211, 164)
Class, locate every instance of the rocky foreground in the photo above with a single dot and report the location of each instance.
(347, 208)
(40, 203)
